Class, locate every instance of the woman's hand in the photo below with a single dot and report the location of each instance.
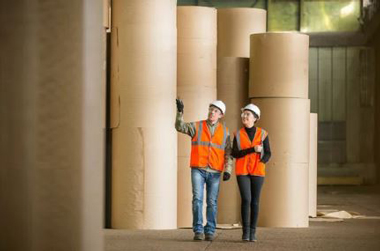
(258, 148)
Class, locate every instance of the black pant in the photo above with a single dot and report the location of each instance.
(250, 188)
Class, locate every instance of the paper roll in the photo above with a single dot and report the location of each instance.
(287, 121)
(185, 215)
(233, 88)
(235, 25)
(196, 46)
(279, 65)
(313, 164)
(233, 91)
(284, 200)
(106, 13)
(196, 86)
(196, 22)
(143, 86)
(202, 73)
(52, 142)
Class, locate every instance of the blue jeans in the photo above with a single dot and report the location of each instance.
(199, 178)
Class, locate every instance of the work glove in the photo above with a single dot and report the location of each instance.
(226, 176)
(258, 148)
(180, 105)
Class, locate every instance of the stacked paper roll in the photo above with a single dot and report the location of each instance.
(278, 85)
(196, 86)
(233, 90)
(143, 89)
(235, 25)
(280, 66)
(313, 164)
(284, 199)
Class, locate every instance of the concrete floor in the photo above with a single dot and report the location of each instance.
(349, 234)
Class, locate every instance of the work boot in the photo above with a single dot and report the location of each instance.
(209, 237)
(198, 236)
(252, 235)
(245, 236)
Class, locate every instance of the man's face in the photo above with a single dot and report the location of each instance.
(214, 114)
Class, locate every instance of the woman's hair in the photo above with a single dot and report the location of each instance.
(254, 114)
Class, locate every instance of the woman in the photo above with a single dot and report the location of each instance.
(251, 150)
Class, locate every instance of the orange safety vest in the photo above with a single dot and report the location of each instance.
(250, 164)
(207, 151)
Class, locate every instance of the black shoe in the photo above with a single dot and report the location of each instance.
(252, 235)
(209, 237)
(245, 236)
(198, 236)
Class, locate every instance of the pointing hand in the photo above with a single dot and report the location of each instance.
(180, 105)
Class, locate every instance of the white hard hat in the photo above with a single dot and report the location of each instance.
(253, 108)
(219, 104)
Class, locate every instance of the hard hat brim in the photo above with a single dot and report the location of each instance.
(216, 107)
(254, 113)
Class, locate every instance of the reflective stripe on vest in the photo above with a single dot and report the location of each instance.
(207, 150)
(250, 164)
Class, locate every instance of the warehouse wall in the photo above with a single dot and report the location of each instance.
(376, 44)
(372, 30)
(342, 92)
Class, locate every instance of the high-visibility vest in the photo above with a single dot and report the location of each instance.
(250, 164)
(207, 151)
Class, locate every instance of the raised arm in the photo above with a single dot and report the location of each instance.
(180, 125)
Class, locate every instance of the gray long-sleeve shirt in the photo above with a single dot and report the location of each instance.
(189, 129)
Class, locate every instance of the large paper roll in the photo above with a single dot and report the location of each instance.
(284, 198)
(279, 65)
(233, 90)
(287, 121)
(196, 46)
(106, 13)
(196, 82)
(235, 25)
(143, 86)
(197, 74)
(185, 196)
(188, 19)
(313, 164)
(52, 142)
(284, 201)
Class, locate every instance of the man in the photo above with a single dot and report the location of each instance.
(210, 155)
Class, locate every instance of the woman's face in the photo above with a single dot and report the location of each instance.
(247, 118)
